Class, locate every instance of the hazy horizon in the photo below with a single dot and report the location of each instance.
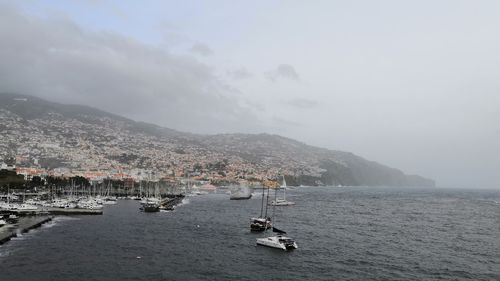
(413, 86)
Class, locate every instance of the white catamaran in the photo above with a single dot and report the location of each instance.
(282, 201)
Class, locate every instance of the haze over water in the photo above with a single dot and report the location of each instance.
(343, 234)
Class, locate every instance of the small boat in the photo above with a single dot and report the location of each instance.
(12, 219)
(2, 222)
(278, 241)
(151, 207)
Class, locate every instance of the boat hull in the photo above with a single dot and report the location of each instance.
(241, 197)
(287, 203)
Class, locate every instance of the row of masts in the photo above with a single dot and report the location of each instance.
(108, 189)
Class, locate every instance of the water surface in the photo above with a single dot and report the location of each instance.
(342, 233)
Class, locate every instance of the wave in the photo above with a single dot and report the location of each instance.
(57, 221)
(184, 201)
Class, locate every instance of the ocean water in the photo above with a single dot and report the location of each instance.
(351, 233)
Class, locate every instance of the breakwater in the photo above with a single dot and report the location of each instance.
(58, 211)
(170, 203)
(24, 225)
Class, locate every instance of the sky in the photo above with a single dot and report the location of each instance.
(410, 84)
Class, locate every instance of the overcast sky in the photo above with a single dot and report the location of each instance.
(411, 84)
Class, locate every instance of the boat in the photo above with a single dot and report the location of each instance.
(2, 222)
(278, 242)
(150, 207)
(263, 222)
(282, 201)
(12, 219)
(240, 193)
(260, 224)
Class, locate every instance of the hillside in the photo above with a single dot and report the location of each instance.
(54, 135)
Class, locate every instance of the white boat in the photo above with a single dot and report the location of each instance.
(2, 222)
(12, 219)
(27, 207)
(278, 242)
(109, 202)
(282, 201)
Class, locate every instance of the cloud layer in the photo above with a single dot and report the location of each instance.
(201, 49)
(56, 59)
(283, 71)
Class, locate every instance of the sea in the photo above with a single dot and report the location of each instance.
(343, 233)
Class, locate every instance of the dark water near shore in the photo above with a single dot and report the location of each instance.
(342, 233)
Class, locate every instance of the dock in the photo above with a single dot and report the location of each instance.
(24, 225)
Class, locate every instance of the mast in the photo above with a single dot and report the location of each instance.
(284, 189)
(262, 203)
(267, 204)
(274, 206)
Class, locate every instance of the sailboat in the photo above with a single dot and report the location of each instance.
(263, 222)
(282, 201)
(279, 241)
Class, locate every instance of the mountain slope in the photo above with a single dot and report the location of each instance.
(86, 138)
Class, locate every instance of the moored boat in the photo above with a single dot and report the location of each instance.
(260, 224)
(279, 242)
(151, 207)
(282, 201)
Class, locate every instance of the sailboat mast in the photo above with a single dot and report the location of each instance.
(267, 201)
(262, 203)
(274, 206)
(284, 188)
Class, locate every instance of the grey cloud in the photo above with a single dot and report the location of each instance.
(303, 103)
(240, 73)
(59, 61)
(201, 49)
(285, 71)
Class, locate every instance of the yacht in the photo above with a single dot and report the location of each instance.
(279, 242)
(260, 224)
(282, 201)
(151, 207)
